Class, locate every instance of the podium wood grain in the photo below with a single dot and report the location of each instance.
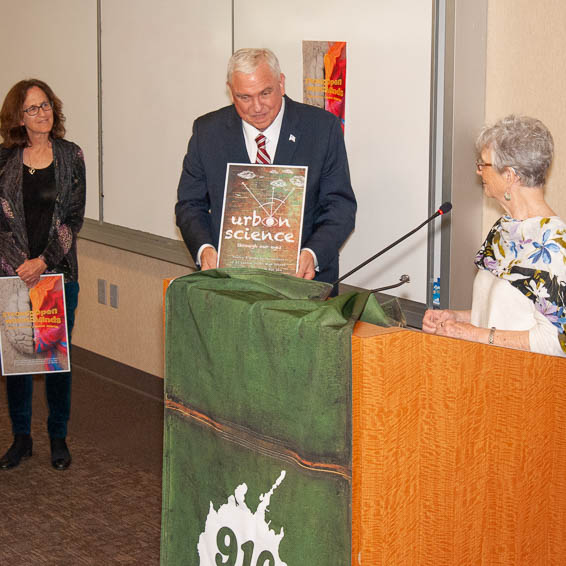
(459, 452)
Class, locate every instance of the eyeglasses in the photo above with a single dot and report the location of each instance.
(34, 110)
(480, 165)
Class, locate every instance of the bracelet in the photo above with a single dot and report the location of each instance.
(491, 335)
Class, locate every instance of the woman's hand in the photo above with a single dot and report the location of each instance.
(455, 324)
(435, 318)
(464, 330)
(30, 271)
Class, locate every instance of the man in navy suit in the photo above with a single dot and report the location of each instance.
(296, 134)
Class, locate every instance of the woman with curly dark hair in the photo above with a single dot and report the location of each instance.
(42, 197)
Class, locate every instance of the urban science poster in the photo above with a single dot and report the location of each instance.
(262, 217)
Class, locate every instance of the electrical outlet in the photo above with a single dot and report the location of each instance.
(113, 295)
(102, 291)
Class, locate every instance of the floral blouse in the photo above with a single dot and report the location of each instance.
(531, 255)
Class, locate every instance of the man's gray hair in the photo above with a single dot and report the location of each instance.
(247, 60)
(522, 143)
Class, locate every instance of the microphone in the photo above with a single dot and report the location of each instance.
(444, 208)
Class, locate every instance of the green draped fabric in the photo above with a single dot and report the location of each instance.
(258, 381)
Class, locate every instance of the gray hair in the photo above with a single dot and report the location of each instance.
(522, 143)
(247, 60)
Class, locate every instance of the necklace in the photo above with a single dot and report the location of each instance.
(41, 155)
(30, 167)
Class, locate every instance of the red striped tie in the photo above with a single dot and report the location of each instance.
(262, 155)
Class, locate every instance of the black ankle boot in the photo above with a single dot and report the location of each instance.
(20, 449)
(60, 455)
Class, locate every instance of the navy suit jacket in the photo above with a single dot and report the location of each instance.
(309, 136)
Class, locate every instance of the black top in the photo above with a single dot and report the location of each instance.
(39, 192)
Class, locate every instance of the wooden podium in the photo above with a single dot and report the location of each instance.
(459, 452)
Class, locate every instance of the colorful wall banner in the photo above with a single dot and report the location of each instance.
(324, 76)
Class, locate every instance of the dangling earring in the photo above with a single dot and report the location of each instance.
(507, 196)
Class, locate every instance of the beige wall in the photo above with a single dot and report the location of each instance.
(132, 333)
(526, 45)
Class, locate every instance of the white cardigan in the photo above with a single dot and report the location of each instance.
(497, 303)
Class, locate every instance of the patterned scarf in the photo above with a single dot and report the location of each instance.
(531, 255)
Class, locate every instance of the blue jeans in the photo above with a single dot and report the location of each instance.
(57, 386)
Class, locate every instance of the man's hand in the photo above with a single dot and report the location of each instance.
(306, 266)
(208, 258)
(30, 271)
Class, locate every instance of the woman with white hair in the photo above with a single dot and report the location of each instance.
(519, 295)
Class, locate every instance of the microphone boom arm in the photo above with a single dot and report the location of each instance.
(443, 209)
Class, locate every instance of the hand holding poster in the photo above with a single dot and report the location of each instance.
(33, 326)
(262, 217)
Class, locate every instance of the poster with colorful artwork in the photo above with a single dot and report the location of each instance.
(324, 76)
(33, 326)
(262, 217)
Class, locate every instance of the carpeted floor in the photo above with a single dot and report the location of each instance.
(103, 510)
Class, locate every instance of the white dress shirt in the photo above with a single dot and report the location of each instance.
(271, 134)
